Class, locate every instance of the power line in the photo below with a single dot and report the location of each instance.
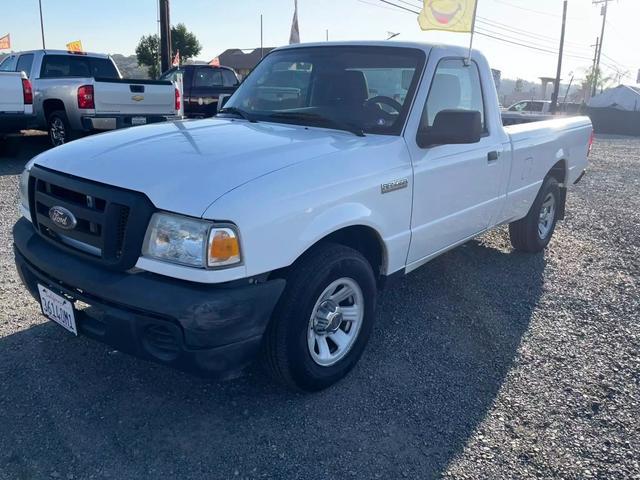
(399, 6)
(524, 32)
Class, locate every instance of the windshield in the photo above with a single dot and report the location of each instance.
(351, 88)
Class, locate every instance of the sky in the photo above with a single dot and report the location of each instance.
(115, 26)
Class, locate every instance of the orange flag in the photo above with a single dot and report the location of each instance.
(5, 42)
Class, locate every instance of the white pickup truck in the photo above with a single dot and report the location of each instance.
(77, 92)
(270, 229)
(16, 102)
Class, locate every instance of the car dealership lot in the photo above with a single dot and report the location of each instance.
(483, 364)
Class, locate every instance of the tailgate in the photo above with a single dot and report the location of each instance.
(134, 97)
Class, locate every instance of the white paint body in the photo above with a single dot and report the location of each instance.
(286, 186)
(11, 95)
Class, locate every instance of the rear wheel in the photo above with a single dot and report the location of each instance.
(533, 233)
(59, 128)
(323, 320)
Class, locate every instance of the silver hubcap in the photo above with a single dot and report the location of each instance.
(335, 322)
(58, 133)
(547, 216)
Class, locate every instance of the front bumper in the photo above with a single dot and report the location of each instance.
(114, 122)
(210, 329)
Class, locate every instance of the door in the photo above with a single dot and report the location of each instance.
(457, 188)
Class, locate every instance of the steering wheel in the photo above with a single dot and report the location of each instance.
(388, 101)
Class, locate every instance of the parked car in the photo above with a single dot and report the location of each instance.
(16, 102)
(203, 85)
(270, 231)
(84, 92)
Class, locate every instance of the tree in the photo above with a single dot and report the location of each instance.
(148, 54)
(148, 49)
(519, 87)
(184, 41)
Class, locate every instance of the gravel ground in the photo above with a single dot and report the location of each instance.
(484, 364)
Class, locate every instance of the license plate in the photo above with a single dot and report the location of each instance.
(138, 120)
(58, 309)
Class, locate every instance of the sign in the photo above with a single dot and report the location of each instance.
(75, 46)
(448, 15)
(5, 42)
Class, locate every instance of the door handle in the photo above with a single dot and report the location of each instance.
(493, 156)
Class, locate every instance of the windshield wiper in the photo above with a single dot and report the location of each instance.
(239, 112)
(317, 118)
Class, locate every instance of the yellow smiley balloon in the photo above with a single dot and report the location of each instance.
(454, 15)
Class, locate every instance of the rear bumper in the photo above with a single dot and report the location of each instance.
(114, 122)
(209, 329)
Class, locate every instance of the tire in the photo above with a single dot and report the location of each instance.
(59, 129)
(293, 333)
(531, 234)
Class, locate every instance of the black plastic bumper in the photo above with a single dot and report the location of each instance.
(212, 329)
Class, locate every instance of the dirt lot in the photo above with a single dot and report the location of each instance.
(483, 364)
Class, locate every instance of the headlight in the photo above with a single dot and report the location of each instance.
(24, 187)
(191, 242)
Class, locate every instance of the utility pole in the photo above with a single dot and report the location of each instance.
(261, 39)
(327, 34)
(595, 64)
(596, 72)
(41, 24)
(556, 85)
(165, 36)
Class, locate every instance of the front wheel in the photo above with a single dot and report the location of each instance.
(533, 233)
(323, 320)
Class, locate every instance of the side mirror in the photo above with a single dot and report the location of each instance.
(452, 127)
(222, 100)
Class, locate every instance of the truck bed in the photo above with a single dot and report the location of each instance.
(537, 147)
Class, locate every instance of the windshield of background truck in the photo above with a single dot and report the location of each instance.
(370, 88)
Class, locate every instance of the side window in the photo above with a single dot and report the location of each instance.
(454, 86)
(8, 64)
(229, 78)
(207, 78)
(24, 64)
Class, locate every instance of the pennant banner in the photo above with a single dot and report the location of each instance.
(75, 46)
(295, 29)
(5, 42)
(448, 15)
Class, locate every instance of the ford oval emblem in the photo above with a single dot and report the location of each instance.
(62, 218)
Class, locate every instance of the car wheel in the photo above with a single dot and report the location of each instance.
(533, 233)
(59, 128)
(323, 320)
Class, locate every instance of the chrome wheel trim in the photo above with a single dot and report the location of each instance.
(335, 322)
(547, 216)
(57, 132)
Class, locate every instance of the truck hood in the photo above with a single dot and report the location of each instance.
(185, 166)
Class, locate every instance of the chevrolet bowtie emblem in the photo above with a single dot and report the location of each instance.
(137, 98)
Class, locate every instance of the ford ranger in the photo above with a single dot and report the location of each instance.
(77, 92)
(270, 229)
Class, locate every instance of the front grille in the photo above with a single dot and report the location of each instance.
(110, 222)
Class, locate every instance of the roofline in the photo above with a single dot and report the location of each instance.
(61, 52)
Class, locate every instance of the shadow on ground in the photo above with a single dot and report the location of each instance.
(16, 150)
(445, 338)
